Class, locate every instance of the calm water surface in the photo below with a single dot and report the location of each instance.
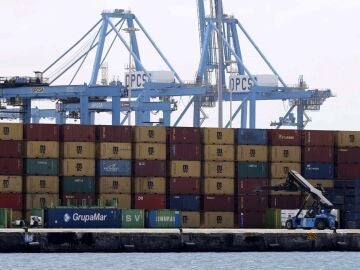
(208, 261)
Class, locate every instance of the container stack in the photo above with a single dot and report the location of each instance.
(149, 184)
(183, 183)
(42, 166)
(113, 153)
(252, 173)
(77, 184)
(11, 168)
(218, 181)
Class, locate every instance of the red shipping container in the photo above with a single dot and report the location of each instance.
(11, 166)
(184, 135)
(149, 168)
(253, 202)
(41, 132)
(107, 133)
(184, 185)
(218, 203)
(318, 138)
(348, 155)
(11, 149)
(184, 152)
(78, 199)
(149, 201)
(285, 201)
(284, 137)
(78, 133)
(318, 154)
(251, 219)
(348, 171)
(11, 200)
(248, 186)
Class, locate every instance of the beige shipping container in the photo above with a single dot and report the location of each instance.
(190, 219)
(17, 215)
(10, 184)
(184, 168)
(324, 183)
(150, 151)
(218, 220)
(218, 186)
(150, 134)
(257, 153)
(347, 139)
(113, 150)
(281, 169)
(113, 185)
(276, 182)
(38, 200)
(218, 136)
(219, 152)
(78, 167)
(42, 184)
(11, 131)
(42, 149)
(121, 201)
(285, 154)
(78, 150)
(223, 169)
(150, 185)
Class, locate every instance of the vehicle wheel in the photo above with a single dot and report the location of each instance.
(288, 225)
(320, 224)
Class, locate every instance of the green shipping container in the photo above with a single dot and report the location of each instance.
(5, 218)
(252, 169)
(132, 218)
(78, 184)
(42, 166)
(273, 218)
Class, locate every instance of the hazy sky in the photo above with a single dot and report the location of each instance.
(317, 38)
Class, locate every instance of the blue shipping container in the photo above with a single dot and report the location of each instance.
(318, 171)
(163, 219)
(185, 202)
(347, 184)
(251, 136)
(82, 218)
(108, 167)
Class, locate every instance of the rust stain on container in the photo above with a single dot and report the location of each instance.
(190, 219)
(284, 137)
(183, 185)
(41, 132)
(150, 151)
(78, 133)
(42, 184)
(218, 203)
(184, 152)
(252, 153)
(319, 138)
(219, 152)
(110, 133)
(113, 150)
(78, 167)
(150, 134)
(281, 169)
(318, 154)
(121, 201)
(38, 200)
(113, 185)
(218, 186)
(150, 185)
(11, 184)
(149, 168)
(42, 149)
(188, 135)
(11, 149)
(78, 150)
(347, 139)
(218, 136)
(11, 131)
(218, 220)
(184, 168)
(223, 169)
(285, 154)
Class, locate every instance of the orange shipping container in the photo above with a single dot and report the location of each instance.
(184, 168)
(121, 201)
(114, 185)
(218, 220)
(11, 131)
(150, 134)
(78, 167)
(218, 186)
(42, 149)
(150, 185)
(42, 184)
(276, 182)
(252, 153)
(150, 151)
(218, 136)
(78, 150)
(10, 184)
(224, 169)
(190, 219)
(41, 200)
(280, 169)
(348, 139)
(285, 154)
(219, 152)
(113, 150)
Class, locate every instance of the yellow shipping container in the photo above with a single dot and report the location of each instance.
(17, 215)
(281, 169)
(113, 150)
(10, 184)
(218, 186)
(184, 168)
(78, 150)
(285, 154)
(276, 182)
(218, 135)
(150, 185)
(150, 134)
(113, 185)
(150, 151)
(78, 167)
(347, 139)
(42, 184)
(11, 131)
(219, 152)
(42, 149)
(121, 201)
(324, 183)
(257, 153)
(224, 169)
(218, 220)
(37, 200)
(190, 219)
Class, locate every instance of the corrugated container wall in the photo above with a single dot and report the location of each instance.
(249, 185)
(42, 149)
(150, 151)
(11, 184)
(183, 185)
(150, 185)
(77, 184)
(281, 169)
(223, 169)
(150, 134)
(318, 138)
(11, 149)
(38, 200)
(113, 150)
(11, 131)
(251, 136)
(11, 166)
(348, 139)
(78, 167)
(184, 202)
(11, 200)
(218, 152)
(185, 168)
(252, 153)
(149, 201)
(318, 170)
(251, 219)
(218, 136)
(163, 219)
(252, 169)
(190, 219)
(188, 135)
(78, 150)
(348, 155)
(218, 186)
(218, 220)
(218, 203)
(78, 133)
(111, 167)
(78, 199)
(42, 166)
(184, 152)
(285, 154)
(253, 202)
(42, 184)
(149, 168)
(348, 171)
(318, 154)
(132, 218)
(114, 185)
(121, 201)
(121, 134)
(284, 137)
(41, 132)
